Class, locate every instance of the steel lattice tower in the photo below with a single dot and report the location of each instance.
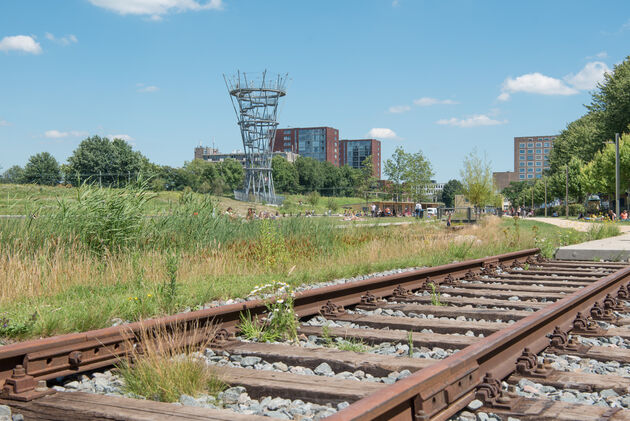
(255, 101)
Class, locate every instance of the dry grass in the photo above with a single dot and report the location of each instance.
(167, 363)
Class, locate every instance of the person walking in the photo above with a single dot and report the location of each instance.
(373, 210)
(418, 209)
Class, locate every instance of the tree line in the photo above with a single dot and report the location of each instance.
(585, 147)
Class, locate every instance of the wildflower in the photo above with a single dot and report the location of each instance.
(135, 298)
(149, 295)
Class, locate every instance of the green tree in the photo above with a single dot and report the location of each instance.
(611, 101)
(42, 168)
(394, 169)
(366, 181)
(13, 175)
(582, 138)
(451, 188)
(232, 173)
(348, 180)
(477, 184)
(309, 173)
(557, 182)
(409, 173)
(285, 175)
(200, 175)
(598, 176)
(513, 192)
(102, 160)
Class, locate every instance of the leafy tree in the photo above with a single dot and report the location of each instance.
(13, 175)
(582, 138)
(232, 173)
(309, 173)
(366, 181)
(598, 176)
(197, 172)
(513, 192)
(611, 100)
(285, 175)
(409, 173)
(451, 188)
(331, 178)
(557, 181)
(477, 183)
(101, 160)
(42, 168)
(348, 180)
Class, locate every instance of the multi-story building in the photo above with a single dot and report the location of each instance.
(213, 155)
(320, 143)
(354, 151)
(531, 155)
(433, 190)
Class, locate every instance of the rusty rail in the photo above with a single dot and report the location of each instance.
(441, 390)
(69, 354)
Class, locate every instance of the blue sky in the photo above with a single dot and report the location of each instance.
(437, 76)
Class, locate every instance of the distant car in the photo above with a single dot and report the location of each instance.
(431, 212)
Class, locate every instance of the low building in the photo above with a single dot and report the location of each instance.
(502, 179)
(213, 155)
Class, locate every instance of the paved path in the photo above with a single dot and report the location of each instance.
(572, 223)
(612, 248)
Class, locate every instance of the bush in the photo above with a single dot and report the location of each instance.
(574, 210)
(313, 198)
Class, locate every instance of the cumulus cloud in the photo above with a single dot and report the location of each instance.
(155, 9)
(382, 133)
(4, 123)
(472, 121)
(426, 101)
(589, 76)
(124, 137)
(67, 40)
(535, 83)
(56, 134)
(397, 109)
(24, 43)
(147, 88)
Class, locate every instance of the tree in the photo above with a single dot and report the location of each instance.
(451, 188)
(42, 168)
(13, 175)
(611, 101)
(232, 173)
(513, 192)
(285, 175)
(598, 176)
(101, 160)
(409, 173)
(477, 183)
(348, 180)
(557, 182)
(309, 173)
(582, 138)
(366, 180)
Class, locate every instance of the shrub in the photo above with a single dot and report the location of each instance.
(313, 198)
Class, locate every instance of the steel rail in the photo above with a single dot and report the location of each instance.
(75, 353)
(442, 389)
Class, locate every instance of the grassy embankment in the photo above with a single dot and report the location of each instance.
(83, 263)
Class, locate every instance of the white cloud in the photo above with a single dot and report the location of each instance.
(600, 55)
(147, 89)
(124, 137)
(67, 40)
(397, 109)
(56, 134)
(24, 43)
(472, 121)
(4, 123)
(588, 77)
(155, 9)
(382, 133)
(535, 83)
(426, 101)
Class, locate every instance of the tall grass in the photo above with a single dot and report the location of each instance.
(168, 364)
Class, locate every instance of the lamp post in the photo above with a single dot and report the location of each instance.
(616, 173)
(566, 193)
(545, 196)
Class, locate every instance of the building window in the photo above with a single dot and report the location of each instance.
(521, 164)
(546, 150)
(530, 158)
(522, 145)
(530, 170)
(521, 170)
(538, 144)
(538, 157)
(540, 138)
(539, 164)
(530, 175)
(521, 151)
(287, 137)
(521, 157)
(538, 176)
(530, 164)
(522, 176)
(538, 169)
(546, 144)
(538, 151)
(530, 145)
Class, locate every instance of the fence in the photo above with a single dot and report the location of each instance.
(262, 198)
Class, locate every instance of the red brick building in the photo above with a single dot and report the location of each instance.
(354, 151)
(320, 143)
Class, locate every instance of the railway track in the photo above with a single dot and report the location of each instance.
(511, 335)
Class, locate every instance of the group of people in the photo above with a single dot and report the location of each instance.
(521, 212)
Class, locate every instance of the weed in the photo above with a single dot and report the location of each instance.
(168, 365)
(410, 343)
(168, 290)
(352, 344)
(435, 295)
(526, 266)
(280, 323)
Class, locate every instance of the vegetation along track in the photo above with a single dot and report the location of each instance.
(435, 342)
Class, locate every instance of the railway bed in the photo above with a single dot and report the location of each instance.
(513, 336)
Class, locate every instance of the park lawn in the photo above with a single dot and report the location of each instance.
(62, 288)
